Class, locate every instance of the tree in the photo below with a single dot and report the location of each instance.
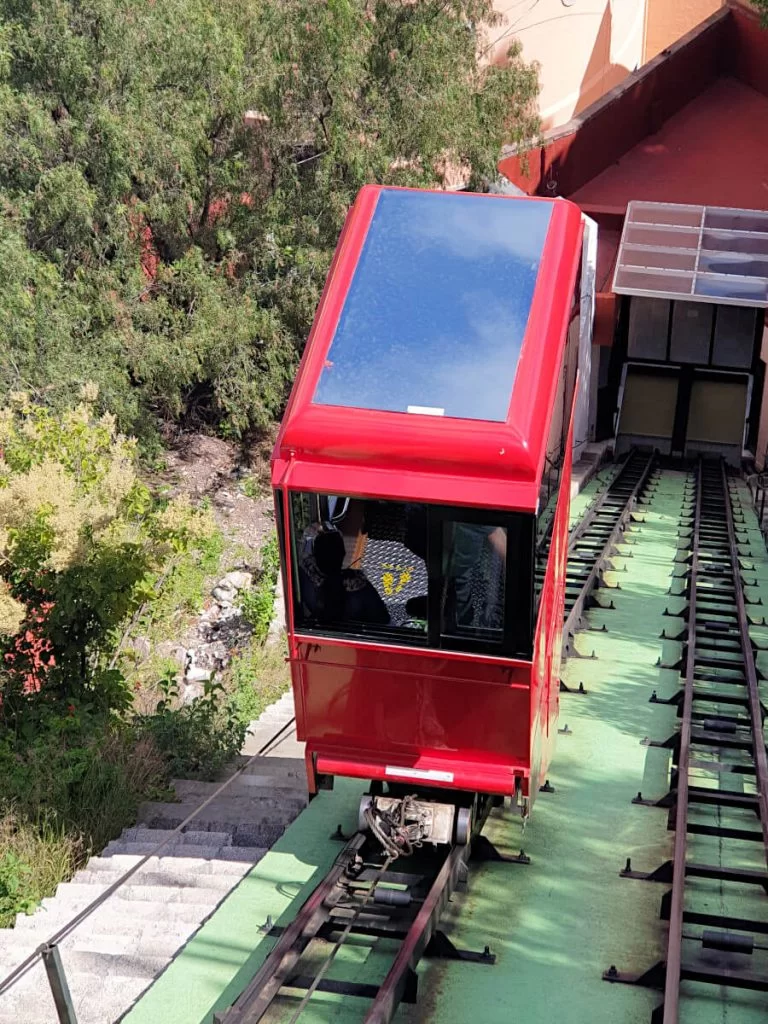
(173, 178)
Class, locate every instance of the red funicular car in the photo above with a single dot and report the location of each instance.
(421, 476)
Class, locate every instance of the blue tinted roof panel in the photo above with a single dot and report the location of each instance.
(437, 307)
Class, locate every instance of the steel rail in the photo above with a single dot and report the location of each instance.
(685, 794)
(256, 999)
(318, 917)
(753, 688)
(352, 921)
(416, 941)
(675, 935)
(590, 514)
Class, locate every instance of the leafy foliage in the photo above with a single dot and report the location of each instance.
(71, 781)
(258, 601)
(258, 677)
(81, 546)
(197, 739)
(173, 178)
(33, 860)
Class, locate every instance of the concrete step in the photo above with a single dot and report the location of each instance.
(180, 853)
(190, 837)
(97, 999)
(249, 822)
(77, 895)
(287, 748)
(248, 785)
(122, 862)
(130, 965)
(182, 878)
(108, 1006)
(248, 788)
(160, 944)
(229, 811)
(17, 943)
(112, 918)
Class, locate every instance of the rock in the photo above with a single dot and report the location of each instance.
(277, 626)
(210, 614)
(192, 691)
(224, 499)
(212, 655)
(239, 579)
(196, 674)
(223, 596)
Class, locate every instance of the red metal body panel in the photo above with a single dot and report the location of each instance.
(394, 455)
(470, 722)
(369, 705)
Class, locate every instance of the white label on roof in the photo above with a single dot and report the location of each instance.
(418, 773)
(426, 410)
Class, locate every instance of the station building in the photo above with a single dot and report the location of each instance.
(671, 165)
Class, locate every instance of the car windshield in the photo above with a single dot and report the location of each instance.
(418, 573)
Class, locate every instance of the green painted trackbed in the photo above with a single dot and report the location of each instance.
(558, 923)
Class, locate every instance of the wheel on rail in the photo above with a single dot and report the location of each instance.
(463, 825)
(365, 805)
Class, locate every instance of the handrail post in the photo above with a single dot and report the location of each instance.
(57, 979)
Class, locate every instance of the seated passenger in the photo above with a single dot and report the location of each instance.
(329, 592)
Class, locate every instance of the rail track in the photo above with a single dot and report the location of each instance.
(366, 896)
(718, 797)
(594, 539)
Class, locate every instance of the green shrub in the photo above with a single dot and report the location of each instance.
(83, 773)
(258, 676)
(197, 740)
(33, 861)
(71, 783)
(250, 487)
(82, 545)
(259, 600)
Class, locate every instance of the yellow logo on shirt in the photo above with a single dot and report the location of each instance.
(395, 578)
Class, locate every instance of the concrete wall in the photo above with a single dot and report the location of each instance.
(584, 47)
(669, 20)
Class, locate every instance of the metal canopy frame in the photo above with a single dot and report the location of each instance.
(709, 254)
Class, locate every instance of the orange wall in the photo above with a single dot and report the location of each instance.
(669, 20)
(583, 50)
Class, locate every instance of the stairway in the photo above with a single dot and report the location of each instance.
(116, 953)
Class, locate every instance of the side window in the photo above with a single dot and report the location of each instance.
(360, 565)
(474, 580)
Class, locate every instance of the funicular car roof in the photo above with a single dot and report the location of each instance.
(432, 365)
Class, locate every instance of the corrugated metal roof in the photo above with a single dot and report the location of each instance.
(695, 253)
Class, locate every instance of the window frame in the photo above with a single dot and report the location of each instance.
(517, 634)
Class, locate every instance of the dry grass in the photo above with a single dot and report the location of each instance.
(34, 859)
(61, 805)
